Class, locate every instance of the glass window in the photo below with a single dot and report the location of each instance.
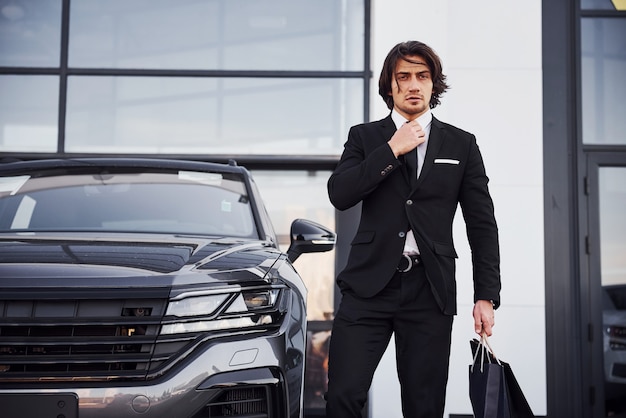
(319, 35)
(603, 4)
(612, 200)
(30, 33)
(612, 194)
(302, 194)
(211, 116)
(29, 113)
(603, 88)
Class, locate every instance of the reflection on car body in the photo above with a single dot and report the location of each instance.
(152, 287)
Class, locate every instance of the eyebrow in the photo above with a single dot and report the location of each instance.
(410, 72)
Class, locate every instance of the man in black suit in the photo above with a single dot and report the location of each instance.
(409, 171)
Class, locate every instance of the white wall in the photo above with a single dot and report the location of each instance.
(491, 53)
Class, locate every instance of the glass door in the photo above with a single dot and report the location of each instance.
(607, 280)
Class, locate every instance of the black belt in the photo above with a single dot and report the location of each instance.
(408, 262)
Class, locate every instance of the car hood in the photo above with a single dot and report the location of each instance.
(161, 259)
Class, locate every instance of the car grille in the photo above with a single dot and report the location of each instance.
(246, 402)
(80, 336)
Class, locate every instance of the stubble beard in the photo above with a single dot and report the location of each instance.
(413, 110)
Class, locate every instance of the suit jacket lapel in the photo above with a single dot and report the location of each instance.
(388, 127)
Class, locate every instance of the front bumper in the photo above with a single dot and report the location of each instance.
(256, 377)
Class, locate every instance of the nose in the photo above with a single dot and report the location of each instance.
(413, 84)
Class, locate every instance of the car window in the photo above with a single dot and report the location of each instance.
(183, 203)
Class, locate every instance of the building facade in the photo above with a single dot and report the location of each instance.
(276, 84)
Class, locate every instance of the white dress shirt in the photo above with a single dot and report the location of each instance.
(410, 246)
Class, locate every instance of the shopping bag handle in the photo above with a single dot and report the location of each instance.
(484, 346)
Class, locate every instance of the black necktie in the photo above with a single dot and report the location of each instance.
(410, 159)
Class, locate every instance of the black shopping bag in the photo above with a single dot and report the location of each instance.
(518, 405)
(486, 383)
(494, 391)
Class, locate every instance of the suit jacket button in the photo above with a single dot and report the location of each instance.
(401, 234)
(409, 202)
(382, 173)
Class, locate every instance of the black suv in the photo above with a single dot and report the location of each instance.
(147, 288)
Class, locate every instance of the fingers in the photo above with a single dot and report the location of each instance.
(484, 325)
(479, 328)
(484, 319)
(487, 327)
(415, 131)
(409, 136)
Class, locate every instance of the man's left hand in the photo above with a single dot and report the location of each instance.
(483, 317)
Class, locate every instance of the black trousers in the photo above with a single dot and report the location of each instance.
(361, 332)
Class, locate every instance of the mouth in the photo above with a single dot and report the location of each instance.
(413, 98)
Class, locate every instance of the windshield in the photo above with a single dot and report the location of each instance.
(185, 202)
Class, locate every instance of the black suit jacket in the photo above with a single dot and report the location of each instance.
(453, 173)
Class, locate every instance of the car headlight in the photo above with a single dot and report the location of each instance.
(193, 306)
(254, 300)
(223, 311)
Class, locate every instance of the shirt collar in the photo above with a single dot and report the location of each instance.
(424, 120)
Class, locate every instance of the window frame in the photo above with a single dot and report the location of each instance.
(255, 162)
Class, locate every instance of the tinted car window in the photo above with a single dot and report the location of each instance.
(184, 202)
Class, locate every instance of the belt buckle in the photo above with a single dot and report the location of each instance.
(410, 264)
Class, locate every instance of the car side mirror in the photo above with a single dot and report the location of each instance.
(309, 237)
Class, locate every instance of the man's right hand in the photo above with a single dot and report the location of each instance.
(405, 139)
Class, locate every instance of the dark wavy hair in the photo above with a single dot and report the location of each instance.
(403, 51)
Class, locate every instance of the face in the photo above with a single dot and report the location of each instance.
(411, 87)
